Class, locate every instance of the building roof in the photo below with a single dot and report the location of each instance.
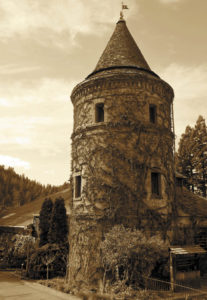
(179, 175)
(23, 215)
(191, 204)
(193, 249)
(121, 52)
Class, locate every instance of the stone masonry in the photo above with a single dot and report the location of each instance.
(122, 153)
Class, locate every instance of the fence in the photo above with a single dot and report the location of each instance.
(180, 291)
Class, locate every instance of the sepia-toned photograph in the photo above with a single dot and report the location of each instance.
(103, 149)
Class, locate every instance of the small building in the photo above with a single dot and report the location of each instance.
(36, 222)
(180, 179)
(186, 266)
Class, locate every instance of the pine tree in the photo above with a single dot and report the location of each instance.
(45, 219)
(17, 189)
(200, 155)
(192, 156)
(185, 157)
(58, 232)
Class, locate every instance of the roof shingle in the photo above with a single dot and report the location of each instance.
(121, 51)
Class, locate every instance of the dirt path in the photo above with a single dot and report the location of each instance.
(13, 288)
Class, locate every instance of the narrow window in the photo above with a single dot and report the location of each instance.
(152, 113)
(155, 184)
(77, 186)
(99, 112)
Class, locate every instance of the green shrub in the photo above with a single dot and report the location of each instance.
(48, 261)
(130, 256)
(16, 250)
(45, 219)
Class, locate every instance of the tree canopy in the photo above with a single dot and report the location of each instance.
(58, 232)
(192, 156)
(130, 254)
(53, 240)
(16, 190)
(45, 221)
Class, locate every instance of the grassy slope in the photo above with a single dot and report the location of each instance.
(23, 215)
(188, 202)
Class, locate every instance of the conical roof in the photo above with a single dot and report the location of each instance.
(121, 51)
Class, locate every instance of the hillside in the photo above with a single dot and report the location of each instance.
(23, 215)
(17, 190)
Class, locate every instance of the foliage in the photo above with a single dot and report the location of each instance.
(107, 187)
(17, 190)
(122, 291)
(16, 249)
(45, 220)
(200, 155)
(51, 258)
(58, 232)
(57, 283)
(192, 156)
(48, 261)
(185, 156)
(128, 255)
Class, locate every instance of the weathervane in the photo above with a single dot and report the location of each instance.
(123, 6)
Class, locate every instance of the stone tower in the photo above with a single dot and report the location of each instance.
(122, 152)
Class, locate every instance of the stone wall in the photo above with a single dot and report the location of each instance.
(115, 159)
(11, 230)
(123, 150)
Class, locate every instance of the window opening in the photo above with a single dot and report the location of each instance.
(77, 186)
(99, 112)
(155, 183)
(152, 113)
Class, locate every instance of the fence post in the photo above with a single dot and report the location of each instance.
(171, 272)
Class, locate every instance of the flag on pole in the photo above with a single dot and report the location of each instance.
(124, 6)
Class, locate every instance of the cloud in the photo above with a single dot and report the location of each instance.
(170, 1)
(15, 69)
(45, 90)
(39, 66)
(19, 140)
(26, 16)
(189, 84)
(36, 123)
(13, 162)
(4, 102)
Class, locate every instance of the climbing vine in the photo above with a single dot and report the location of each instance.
(116, 157)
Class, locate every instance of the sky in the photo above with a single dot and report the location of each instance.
(48, 46)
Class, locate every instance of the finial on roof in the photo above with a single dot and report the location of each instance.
(121, 52)
(121, 15)
(123, 6)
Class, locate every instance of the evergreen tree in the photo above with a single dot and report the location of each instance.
(45, 219)
(17, 189)
(192, 156)
(200, 155)
(58, 232)
(185, 157)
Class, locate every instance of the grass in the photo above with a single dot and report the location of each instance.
(58, 284)
(61, 285)
(23, 215)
